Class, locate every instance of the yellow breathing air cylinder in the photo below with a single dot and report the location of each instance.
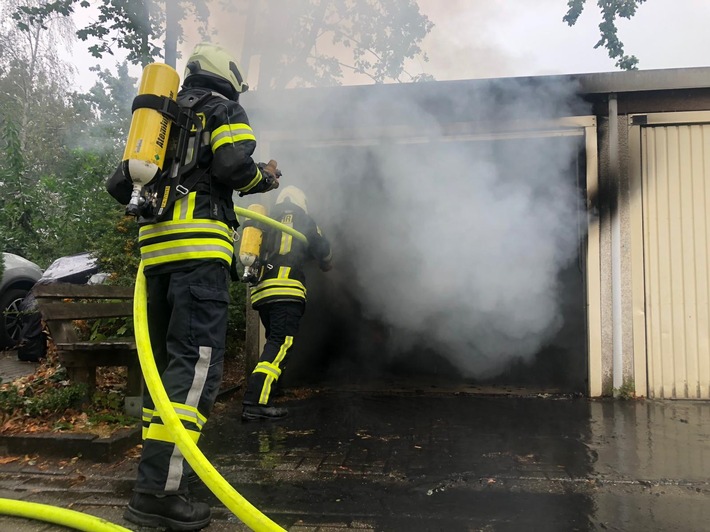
(144, 156)
(250, 245)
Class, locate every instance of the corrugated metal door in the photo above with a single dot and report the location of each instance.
(676, 226)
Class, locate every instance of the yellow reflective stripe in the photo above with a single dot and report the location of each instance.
(188, 255)
(266, 390)
(144, 433)
(252, 183)
(278, 292)
(268, 368)
(288, 342)
(186, 244)
(202, 225)
(284, 272)
(288, 283)
(186, 249)
(183, 411)
(191, 198)
(170, 232)
(231, 133)
(161, 433)
(184, 208)
(286, 241)
(192, 420)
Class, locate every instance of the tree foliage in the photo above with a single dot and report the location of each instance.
(318, 40)
(611, 10)
(136, 26)
(33, 112)
(56, 147)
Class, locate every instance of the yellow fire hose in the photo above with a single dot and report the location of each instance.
(242, 508)
(271, 222)
(236, 503)
(57, 516)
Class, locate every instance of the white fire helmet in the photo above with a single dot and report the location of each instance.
(295, 195)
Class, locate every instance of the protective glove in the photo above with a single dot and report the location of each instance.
(271, 174)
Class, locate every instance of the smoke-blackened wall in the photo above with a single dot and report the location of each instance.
(456, 255)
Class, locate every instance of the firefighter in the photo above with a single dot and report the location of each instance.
(280, 298)
(187, 254)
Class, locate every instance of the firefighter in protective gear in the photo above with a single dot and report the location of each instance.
(280, 297)
(187, 254)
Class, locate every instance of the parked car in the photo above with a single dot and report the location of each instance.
(18, 278)
(80, 268)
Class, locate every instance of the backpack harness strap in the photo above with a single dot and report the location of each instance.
(162, 104)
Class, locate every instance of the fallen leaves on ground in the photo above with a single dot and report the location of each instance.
(103, 417)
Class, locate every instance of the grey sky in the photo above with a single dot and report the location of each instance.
(520, 37)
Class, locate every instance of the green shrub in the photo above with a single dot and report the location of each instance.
(51, 400)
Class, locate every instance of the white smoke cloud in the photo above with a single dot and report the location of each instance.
(454, 245)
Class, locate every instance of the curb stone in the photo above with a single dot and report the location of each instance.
(69, 445)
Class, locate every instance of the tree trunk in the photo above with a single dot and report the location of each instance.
(172, 21)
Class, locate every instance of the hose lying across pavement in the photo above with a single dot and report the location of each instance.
(236, 503)
(58, 516)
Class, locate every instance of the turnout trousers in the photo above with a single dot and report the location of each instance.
(187, 320)
(281, 320)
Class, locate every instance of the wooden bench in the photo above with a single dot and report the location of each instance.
(60, 304)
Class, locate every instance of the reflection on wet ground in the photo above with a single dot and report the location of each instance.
(457, 461)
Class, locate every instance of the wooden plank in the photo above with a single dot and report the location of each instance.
(77, 311)
(107, 345)
(93, 291)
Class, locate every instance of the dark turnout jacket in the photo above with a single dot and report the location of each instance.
(199, 226)
(282, 277)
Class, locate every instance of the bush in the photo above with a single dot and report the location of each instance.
(51, 400)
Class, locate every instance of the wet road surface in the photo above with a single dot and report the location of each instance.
(439, 462)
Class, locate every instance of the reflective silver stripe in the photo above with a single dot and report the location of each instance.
(175, 470)
(183, 249)
(274, 292)
(184, 205)
(198, 381)
(236, 132)
(265, 367)
(167, 228)
(192, 416)
(279, 281)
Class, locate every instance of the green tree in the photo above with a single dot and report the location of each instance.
(318, 40)
(33, 115)
(98, 222)
(137, 26)
(611, 10)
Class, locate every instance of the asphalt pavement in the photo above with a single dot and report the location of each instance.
(425, 459)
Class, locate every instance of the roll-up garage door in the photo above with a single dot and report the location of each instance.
(676, 231)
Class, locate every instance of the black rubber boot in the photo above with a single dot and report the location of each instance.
(174, 512)
(263, 412)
